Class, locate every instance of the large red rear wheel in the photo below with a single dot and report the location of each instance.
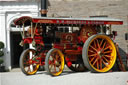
(99, 53)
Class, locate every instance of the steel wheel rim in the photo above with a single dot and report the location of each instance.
(29, 67)
(101, 53)
(56, 62)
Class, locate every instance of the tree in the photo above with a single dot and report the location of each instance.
(1, 52)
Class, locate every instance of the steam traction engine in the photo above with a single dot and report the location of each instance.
(80, 43)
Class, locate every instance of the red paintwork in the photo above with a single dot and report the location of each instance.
(68, 40)
(61, 21)
(69, 63)
(38, 39)
(21, 20)
(67, 21)
(73, 52)
(27, 40)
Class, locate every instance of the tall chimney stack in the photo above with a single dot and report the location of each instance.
(43, 10)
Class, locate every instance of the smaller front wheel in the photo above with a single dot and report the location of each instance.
(27, 64)
(54, 62)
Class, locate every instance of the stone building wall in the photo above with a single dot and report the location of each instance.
(9, 11)
(85, 8)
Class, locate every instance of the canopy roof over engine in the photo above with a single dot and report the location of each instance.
(68, 21)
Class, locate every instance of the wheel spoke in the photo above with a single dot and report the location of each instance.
(55, 68)
(105, 59)
(50, 62)
(92, 59)
(59, 68)
(26, 63)
(100, 63)
(50, 66)
(106, 48)
(53, 54)
(107, 56)
(28, 69)
(93, 48)
(30, 55)
(93, 54)
(107, 52)
(95, 61)
(31, 67)
(91, 51)
(101, 42)
(104, 63)
(98, 43)
(97, 64)
(104, 44)
(57, 56)
(94, 43)
(53, 57)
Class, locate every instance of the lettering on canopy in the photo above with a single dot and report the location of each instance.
(45, 21)
(114, 23)
(56, 21)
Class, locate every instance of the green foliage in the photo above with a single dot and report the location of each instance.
(1, 53)
(1, 45)
(1, 61)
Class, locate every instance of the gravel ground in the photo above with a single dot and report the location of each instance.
(16, 77)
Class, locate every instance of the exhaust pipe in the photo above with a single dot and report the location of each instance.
(43, 10)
